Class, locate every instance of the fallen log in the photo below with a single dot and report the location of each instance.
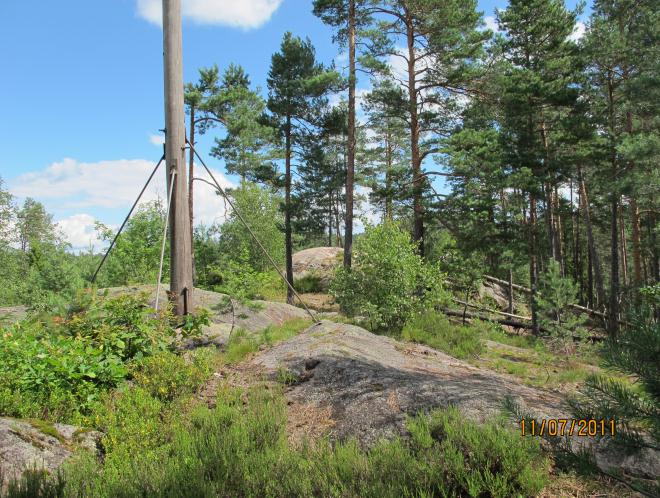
(509, 322)
(486, 318)
(481, 308)
(526, 290)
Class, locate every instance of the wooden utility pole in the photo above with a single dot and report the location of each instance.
(350, 166)
(181, 286)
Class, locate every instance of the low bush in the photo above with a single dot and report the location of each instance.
(309, 283)
(240, 448)
(56, 366)
(436, 331)
(168, 375)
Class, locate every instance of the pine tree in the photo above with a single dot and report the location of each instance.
(441, 43)
(622, 50)
(297, 86)
(538, 79)
(388, 152)
(349, 17)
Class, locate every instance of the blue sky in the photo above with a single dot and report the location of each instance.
(82, 99)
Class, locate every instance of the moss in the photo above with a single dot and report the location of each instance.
(46, 428)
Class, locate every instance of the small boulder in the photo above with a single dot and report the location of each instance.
(495, 292)
(318, 264)
(35, 444)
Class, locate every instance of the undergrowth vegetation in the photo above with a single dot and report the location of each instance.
(240, 448)
(389, 281)
(56, 366)
(435, 330)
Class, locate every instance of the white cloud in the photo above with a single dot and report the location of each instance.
(578, 32)
(79, 231)
(209, 207)
(157, 139)
(245, 14)
(491, 23)
(70, 184)
(74, 185)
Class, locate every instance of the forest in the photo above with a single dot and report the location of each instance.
(492, 198)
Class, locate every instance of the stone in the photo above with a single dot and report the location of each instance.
(497, 293)
(33, 444)
(317, 262)
(369, 384)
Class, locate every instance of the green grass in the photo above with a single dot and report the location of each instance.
(160, 440)
(435, 330)
(46, 428)
(309, 283)
(243, 343)
(529, 359)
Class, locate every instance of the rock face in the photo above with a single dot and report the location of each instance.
(12, 314)
(319, 262)
(496, 292)
(373, 382)
(366, 385)
(38, 445)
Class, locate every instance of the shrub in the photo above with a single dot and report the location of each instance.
(55, 367)
(309, 283)
(239, 448)
(389, 281)
(636, 408)
(435, 330)
(554, 298)
(478, 460)
(167, 375)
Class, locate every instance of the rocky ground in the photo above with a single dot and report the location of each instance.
(29, 444)
(343, 382)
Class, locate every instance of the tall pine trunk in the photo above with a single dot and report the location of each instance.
(388, 178)
(624, 247)
(533, 263)
(614, 212)
(595, 271)
(418, 208)
(350, 166)
(287, 213)
(330, 221)
(636, 242)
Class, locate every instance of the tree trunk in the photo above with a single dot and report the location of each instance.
(287, 212)
(559, 238)
(655, 255)
(595, 269)
(330, 221)
(510, 292)
(636, 242)
(614, 204)
(350, 166)
(418, 224)
(388, 178)
(533, 263)
(614, 282)
(340, 242)
(590, 282)
(624, 248)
